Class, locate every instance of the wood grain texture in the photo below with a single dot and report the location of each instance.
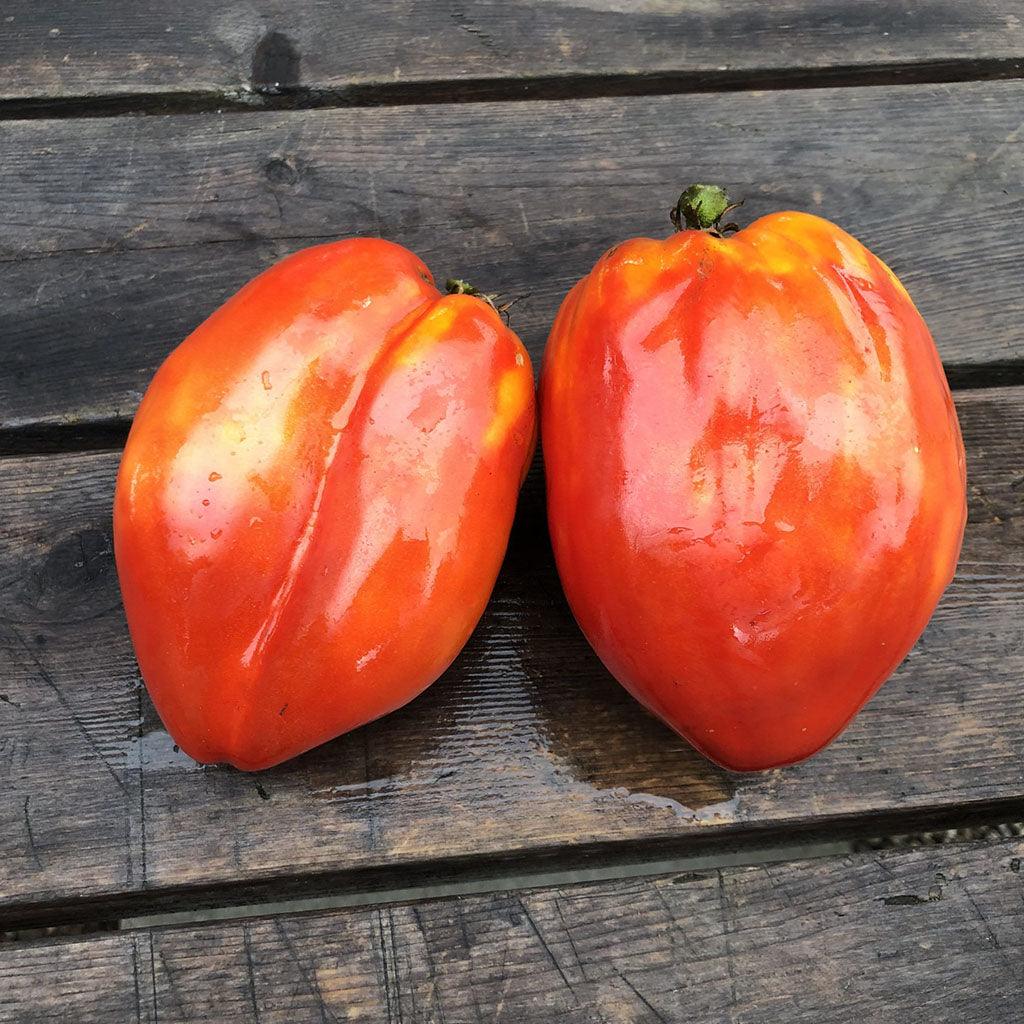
(118, 236)
(921, 937)
(141, 46)
(526, 747)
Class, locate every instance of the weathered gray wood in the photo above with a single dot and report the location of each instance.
(118, 236)
(919, 937)
(525, 748)
(94, 980)
(141, 46)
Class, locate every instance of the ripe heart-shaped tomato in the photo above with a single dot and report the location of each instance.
(755, 476)
(315, 499)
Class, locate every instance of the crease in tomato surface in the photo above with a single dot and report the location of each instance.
(315, 499)
(756, 435)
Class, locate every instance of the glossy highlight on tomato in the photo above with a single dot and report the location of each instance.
(756, 481)
(315, 500)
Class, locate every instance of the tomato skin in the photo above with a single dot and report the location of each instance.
(315, 499)
(756, 481)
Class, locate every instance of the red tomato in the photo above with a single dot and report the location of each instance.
(755, 477)
(315, 499)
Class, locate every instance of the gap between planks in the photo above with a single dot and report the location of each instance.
(490, 90)
(42, 438)
(442, 889)
(607, 861)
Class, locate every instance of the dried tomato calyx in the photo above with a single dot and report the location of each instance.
(457, 286)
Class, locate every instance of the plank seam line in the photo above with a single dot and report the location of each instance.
(534, 87)
(502, 872)
(685, 869)
(27, 440)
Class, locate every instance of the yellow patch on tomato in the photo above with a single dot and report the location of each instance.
(435, 325)
(514, 388)
(777, 254)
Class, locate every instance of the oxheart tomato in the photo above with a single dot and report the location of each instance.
(755, 476)
(315, 499)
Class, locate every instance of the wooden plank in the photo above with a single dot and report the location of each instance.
(926, 936)
(91, 980)
(118, 236)
(526, 748)
(130, 47)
